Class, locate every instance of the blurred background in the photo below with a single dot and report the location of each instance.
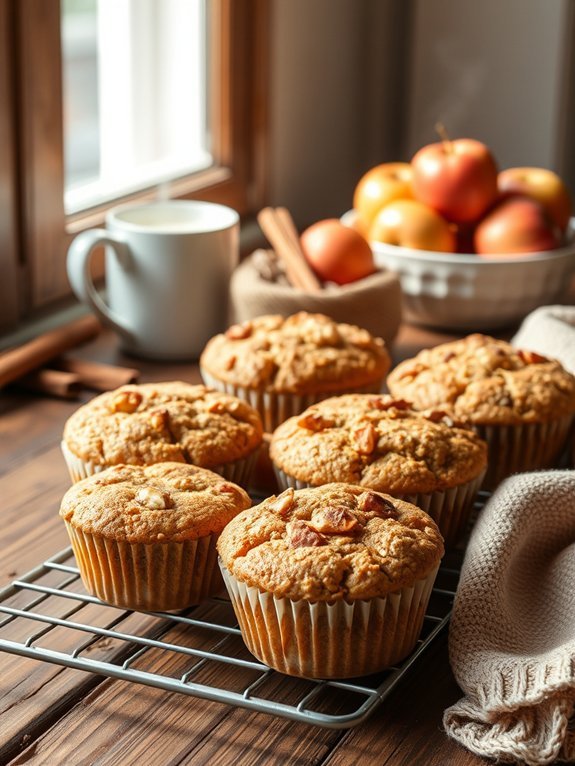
(355, 84)
(254, 102)
(351, 84)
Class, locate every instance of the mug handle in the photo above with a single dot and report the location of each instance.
(80, 277)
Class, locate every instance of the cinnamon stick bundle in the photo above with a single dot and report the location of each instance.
(64, 385)
(64, 376)
(279, 228)
(30, 356)
(95, 375)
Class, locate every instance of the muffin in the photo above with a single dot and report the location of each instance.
(283, 365)
(520, 402)
(330, 582)
(158, 422)
(145, 537)
(383, 444)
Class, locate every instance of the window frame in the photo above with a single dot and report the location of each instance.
(10, 300)
(32, 156)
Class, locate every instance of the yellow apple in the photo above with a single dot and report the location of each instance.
(409, 223)
(379, 186)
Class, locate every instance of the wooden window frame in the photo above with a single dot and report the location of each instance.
(10, 300)
(35, 231)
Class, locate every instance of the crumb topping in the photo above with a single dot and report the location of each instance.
(337, 541)
(155, 422)
(302, 353)
(486, 380)
(378, 442)
(146, 504)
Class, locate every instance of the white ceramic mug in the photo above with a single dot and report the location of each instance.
(168, 266)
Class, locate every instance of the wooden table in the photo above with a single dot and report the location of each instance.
(59, 716)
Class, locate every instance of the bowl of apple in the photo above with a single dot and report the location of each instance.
(475, 248)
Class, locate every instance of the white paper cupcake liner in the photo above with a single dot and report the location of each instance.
(150, 577)
(79, 469)
(519, 448)
(451, 509)
(322, 640)
(275, 408)
(237, 471)
(285, 480)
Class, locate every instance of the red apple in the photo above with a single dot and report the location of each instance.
(337, 253)
(540, 184)
(456, 178)
(380, 185)
(409, 223)
(516, 225)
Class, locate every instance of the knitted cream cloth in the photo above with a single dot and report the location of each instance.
(550, 330)
(512, 634)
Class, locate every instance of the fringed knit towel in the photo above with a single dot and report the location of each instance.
(550, 330)
(512, 634)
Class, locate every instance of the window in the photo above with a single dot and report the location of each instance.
(135, 107)
(91, 112)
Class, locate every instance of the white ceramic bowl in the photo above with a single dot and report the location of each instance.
(470, 292)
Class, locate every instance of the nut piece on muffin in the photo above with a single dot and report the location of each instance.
(157, 422)
(145, 537)
(520, 402)
(384, 444)
(282, 365)
(331, 581)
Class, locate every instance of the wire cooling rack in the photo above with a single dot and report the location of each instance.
(47, 615)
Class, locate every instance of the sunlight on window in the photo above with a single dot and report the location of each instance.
(135, 96)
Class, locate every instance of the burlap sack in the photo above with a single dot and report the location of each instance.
(373, 303)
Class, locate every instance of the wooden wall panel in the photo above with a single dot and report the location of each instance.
(42, 153)
(9, 267)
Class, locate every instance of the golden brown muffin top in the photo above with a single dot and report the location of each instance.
(303, 353)
(166, 502)
(338, 541)
(155, 422)
(378, 442)
(487, 381)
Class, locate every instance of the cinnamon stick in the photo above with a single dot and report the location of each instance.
(97, 376)
(19, 361)
(65, 385)
(284, 216)
(281, 238)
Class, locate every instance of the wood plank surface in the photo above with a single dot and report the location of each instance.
(53, 715)
(32, 530)
(407, 729)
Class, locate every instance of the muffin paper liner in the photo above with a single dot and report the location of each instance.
(150, 577)
(238, 471)
(451, 509)
(275, 408)
(518, 448)
(329, 640)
